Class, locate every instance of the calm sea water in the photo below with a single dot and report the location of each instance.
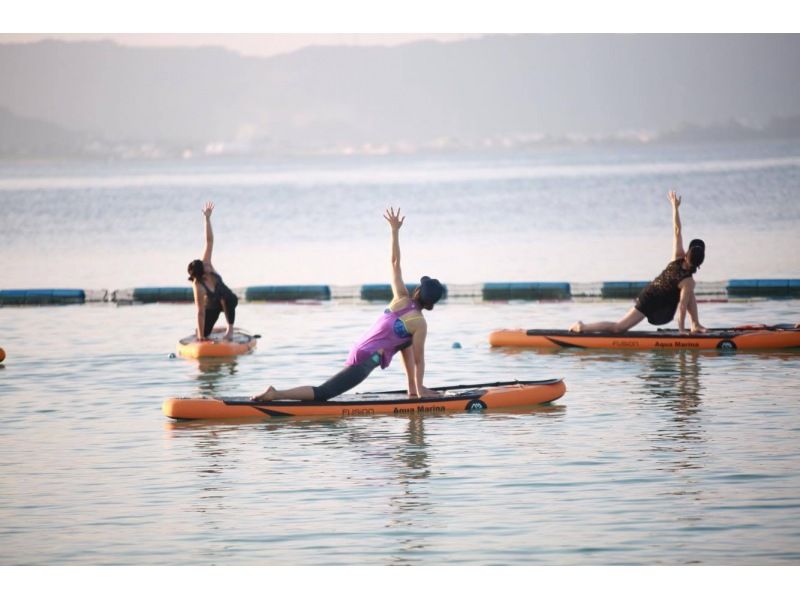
(574, 216)
(650, 458)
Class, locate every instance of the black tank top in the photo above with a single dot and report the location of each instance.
(220, 292)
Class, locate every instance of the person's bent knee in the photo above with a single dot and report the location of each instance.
(322, 394)
(348, 378)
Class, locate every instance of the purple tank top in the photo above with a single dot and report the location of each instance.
(388, 333)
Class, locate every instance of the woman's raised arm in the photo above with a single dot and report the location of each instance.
(394, 219)
(209, 247)
(677, 241)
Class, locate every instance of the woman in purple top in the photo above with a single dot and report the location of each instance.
(401, 327)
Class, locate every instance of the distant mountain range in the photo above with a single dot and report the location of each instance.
(29, 137)
(496, 91)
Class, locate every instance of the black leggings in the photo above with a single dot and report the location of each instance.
(227, 305)
(350, 376)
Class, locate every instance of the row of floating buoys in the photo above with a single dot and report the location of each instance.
(508, 291)
(288, 293)
(764, 287)
(383, 292)
(490, 291)
(42, 297)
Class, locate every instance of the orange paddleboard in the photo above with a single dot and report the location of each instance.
(241, 343)
(454, 398)
(744, 338)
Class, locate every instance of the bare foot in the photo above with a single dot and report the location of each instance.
(267, 395)
(576, 327)
(229, 335)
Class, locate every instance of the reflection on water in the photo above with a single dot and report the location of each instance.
(211, 372)
(673, 381)
(410, 503)
(402, 454)
(389, 456)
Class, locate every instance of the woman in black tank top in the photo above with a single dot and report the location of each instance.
(670, 291)
(211, 295)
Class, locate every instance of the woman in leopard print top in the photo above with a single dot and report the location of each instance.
(670, 291)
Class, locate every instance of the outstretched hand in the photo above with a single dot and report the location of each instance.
(208, 208)
(674, 199)
(393, 218)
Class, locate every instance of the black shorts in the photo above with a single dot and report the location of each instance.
(228, 305)
(658, 304)
(349, 377)
(658, 310)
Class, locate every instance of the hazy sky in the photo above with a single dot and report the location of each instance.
(498, 16)
(252, 44)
